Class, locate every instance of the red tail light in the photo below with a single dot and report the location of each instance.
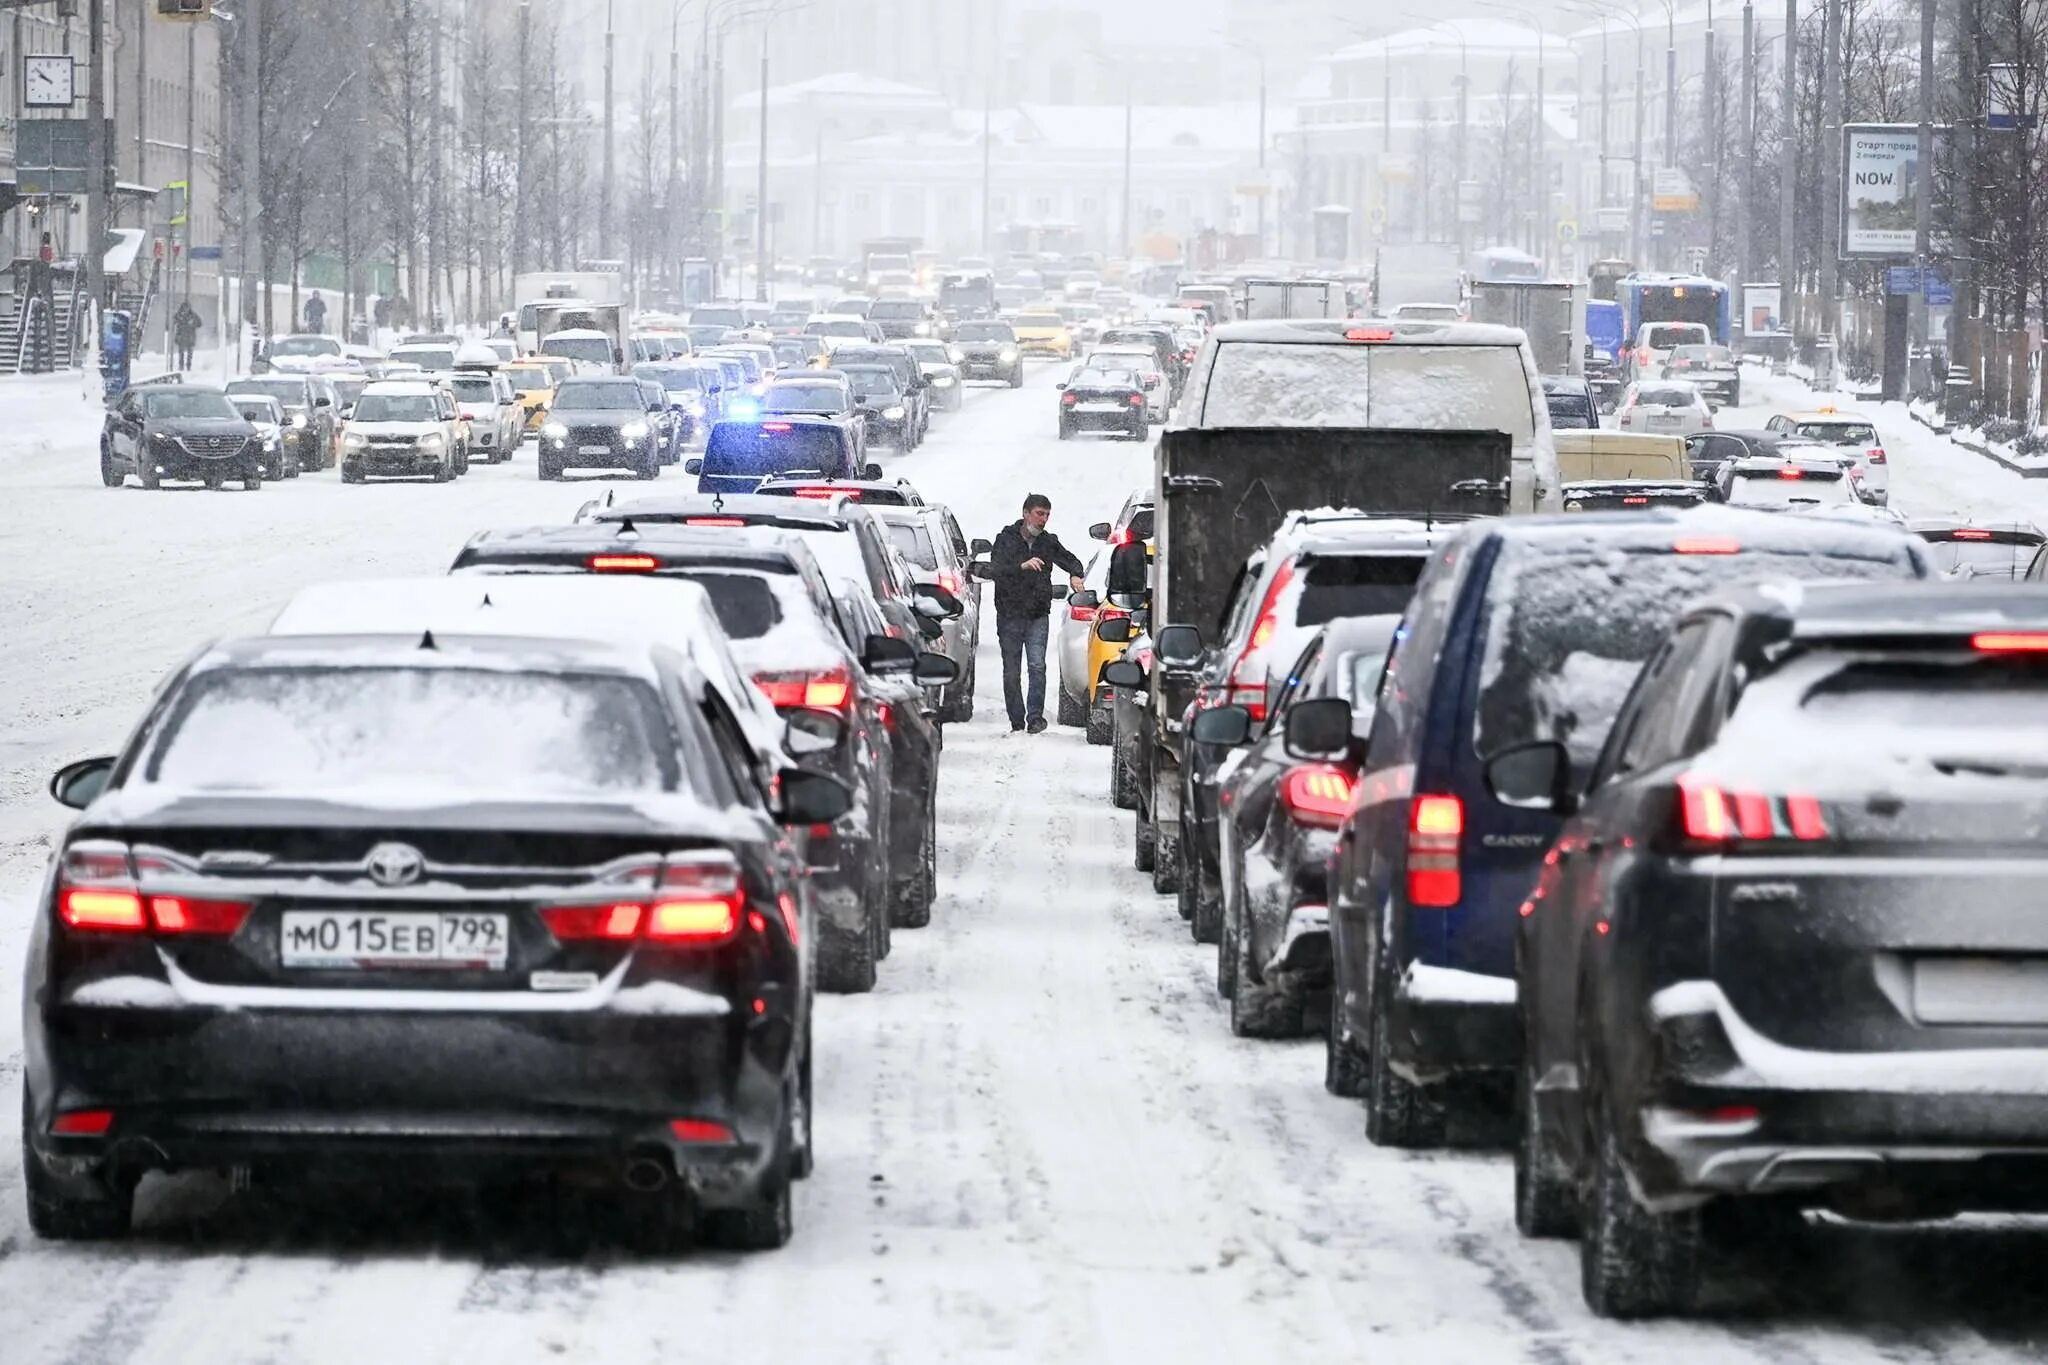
(617, 922)
(101, 890)
(1137, 400)
(1369, 334)
(1791, 472)
(186, 915)
(83, 1123)
(696, 900)
(824, 691)
(1969, 533)
(1069, 399)
(1635, 502)
(850, 493)
(699, 1130)
(1247, 680)
(1317, 794)
(2009, 641)
(101, 909)
(1706, 545)
(1714, 817)
(714, 521)
(622, 563)
(1875, 455)
(1436, 831)
(1080, 613)
(775, 426)
(950, 582)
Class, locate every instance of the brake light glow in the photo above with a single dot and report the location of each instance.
(825, 691)
(189, 915)
(2009, 641)
(1068, 400)
(699, 1130)
(615, 922)
(1436, 829)
(1635, 502)
(101, 908)
(696, 900)
(1137, 400)
(622, 563)
(1706, 545)
(1791, 472)
(1969, 533)
(950, 582)
(694, 921)
(776, 426)
(1875, 455)
(714, 521)
(1368, 334)
(1317, 795)
(1076, 612)
(1718, 818)
(83, 1123)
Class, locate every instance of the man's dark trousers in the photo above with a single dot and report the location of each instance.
(1023, 641)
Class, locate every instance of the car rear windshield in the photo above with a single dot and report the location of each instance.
(1434, 388)
(427, 357)
(1922, 704)
(1357, 585)
(396, 407)
(1987, 554)
(744, 603)
(207, 405)
(290, 392)
(896, 308)
(405, 730)
(306, 346)
(599, 397)
(876, 383)
(524, 377)
(1571, 412)
(1664, 396)
(594, 350)
(984, 331)
(916, 544)
(1813, 488)
(723, 317)
(791, 352)
(1704, 355)
(475, 390)
(1568, 628)
(1837, 433)
(818, 398)
(772, 448)
(1675, 334)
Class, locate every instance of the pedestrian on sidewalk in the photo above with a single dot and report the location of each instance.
(185, 333)
(1023, 556)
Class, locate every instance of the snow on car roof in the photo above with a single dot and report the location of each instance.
(1387, 331)
(572, 334)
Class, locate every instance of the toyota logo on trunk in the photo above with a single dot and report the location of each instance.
(394, 864)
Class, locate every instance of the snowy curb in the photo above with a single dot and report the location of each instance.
(2026, 466)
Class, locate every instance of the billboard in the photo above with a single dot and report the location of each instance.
(1880, 189)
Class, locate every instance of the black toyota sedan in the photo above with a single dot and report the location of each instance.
(1107, 400)
(179, 432)
(1786, 953)
(437, 910)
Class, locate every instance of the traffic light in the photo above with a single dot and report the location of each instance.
(184, 9)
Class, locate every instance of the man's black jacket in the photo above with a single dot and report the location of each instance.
(1022, 593)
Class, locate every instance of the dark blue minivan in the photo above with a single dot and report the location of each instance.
(1531, 628)
(739, 455)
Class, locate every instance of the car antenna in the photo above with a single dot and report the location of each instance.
(718, 502)
(608, 496)
(486, 602)
(626, 527)
(427, 640)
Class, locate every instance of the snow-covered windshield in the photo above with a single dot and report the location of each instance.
(1837, 433)
(1985, 554)
(794, 398)
(305, 346)
(1569, 627)
(254, 409)
(475, 390)
(396, 407)
(591, 350)
(1770, 490)
(836, 327)
(1434, 388)
(588, 396)
(426, 357)
(197, 405)
(984, 331)
(872, 383)
(929, 352)
(915, 542)
(290, 392)
(1038, 321)
(1666, 396)
(1675, 334)
(896, 308)
(408, 730)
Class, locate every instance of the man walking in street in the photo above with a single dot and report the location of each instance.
(316, 313)
(185, 333)
(1023, 555)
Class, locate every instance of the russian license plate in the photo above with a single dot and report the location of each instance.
(593, 450)
(379, 938)
(1657, 420)
(1100, 407)
(1981, 990)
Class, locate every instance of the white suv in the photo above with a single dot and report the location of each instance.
(403, 428)
(488, 407)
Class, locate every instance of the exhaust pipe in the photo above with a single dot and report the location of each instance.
(646, 1174)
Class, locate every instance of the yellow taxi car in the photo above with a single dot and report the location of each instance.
(1043, 333)
(533, 389)
(1116, 584)
(1857, 446)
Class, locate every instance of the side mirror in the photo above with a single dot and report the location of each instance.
(1100, 530)
(1179, 646)
(979, 547)
(79, 784)
(949, 605)
(1061, 386)
(886, 654)
(808, 732)
(1225, 725)
(1533, 776)
(1087, 597)
(981, 568)
(871, 471)
(1318, 728)
(808, 798)
(1115, 630)
(1124, 674)
(936, 670)
(693, 466)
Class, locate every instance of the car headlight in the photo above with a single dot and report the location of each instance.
(433, 440)
(556, 430)
(354, 441)
(923, 329)
(892, 414)
(299, 421)
(1007, 353)
(697, 408)
(634, 431)
(940, 381)
(272, 440)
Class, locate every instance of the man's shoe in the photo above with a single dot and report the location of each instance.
(1037, 726)
(1016, 727)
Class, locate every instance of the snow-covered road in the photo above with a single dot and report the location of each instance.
(1038, 1141)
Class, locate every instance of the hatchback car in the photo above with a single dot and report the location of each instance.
(938, 552)
(402, 428)
(1713, 370)
(1785, 954)
(312, 426)
(583, 920)
(1980, 550)
(1664, 407)
(1853, 438)
(1524, 629)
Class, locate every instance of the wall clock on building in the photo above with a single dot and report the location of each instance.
(47, 80)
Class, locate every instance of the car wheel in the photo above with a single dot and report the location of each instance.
(1633, 1263)
(1166, 869)
(1397, 1114)
(763, 1224)
(1546, 1204)
(444, 472)
(846, 962)
(1123, 782)
(1203, 905)
(803, 1156)
(351, 472)
(1101, 718)
(1072, 711)
(109, 475)
(273, 470)
(649, 468)
(1138, 432)
(550, 468)
(1144, 844)
(1066, 432)
(291, 465)
(1347, 1071)
(1258, 1009)
(960, 699)
(1017, 378)
(215, 481)
(64, 1214)
(252, 480)
(910, 901)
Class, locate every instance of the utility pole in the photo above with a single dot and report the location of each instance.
(184, 266)
(1830, 159)
(987, 228)
(1126, 243)
(604, 194)
(1601, 203)
(96, 176)
(524, 138)
(1923, 192)
(1539, 181)
(1745, 258)
(1263, 195)
(1711, 119)
(1636, 166)
(1788, 177)
(672, 267)
(761, 182)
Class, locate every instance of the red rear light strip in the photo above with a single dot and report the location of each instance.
(1436, 830)
(1712, 815)
(1317, 795)
(125, 910)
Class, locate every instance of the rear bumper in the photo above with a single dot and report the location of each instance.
(1125, 419)
(440, 1094)
(1735, 1112)
(395, 460)
(1443, 1022)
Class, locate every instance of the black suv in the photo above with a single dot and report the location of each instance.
(311, 426)
(889, 413)
(179, 431)
(910, 379)
(601, 423)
